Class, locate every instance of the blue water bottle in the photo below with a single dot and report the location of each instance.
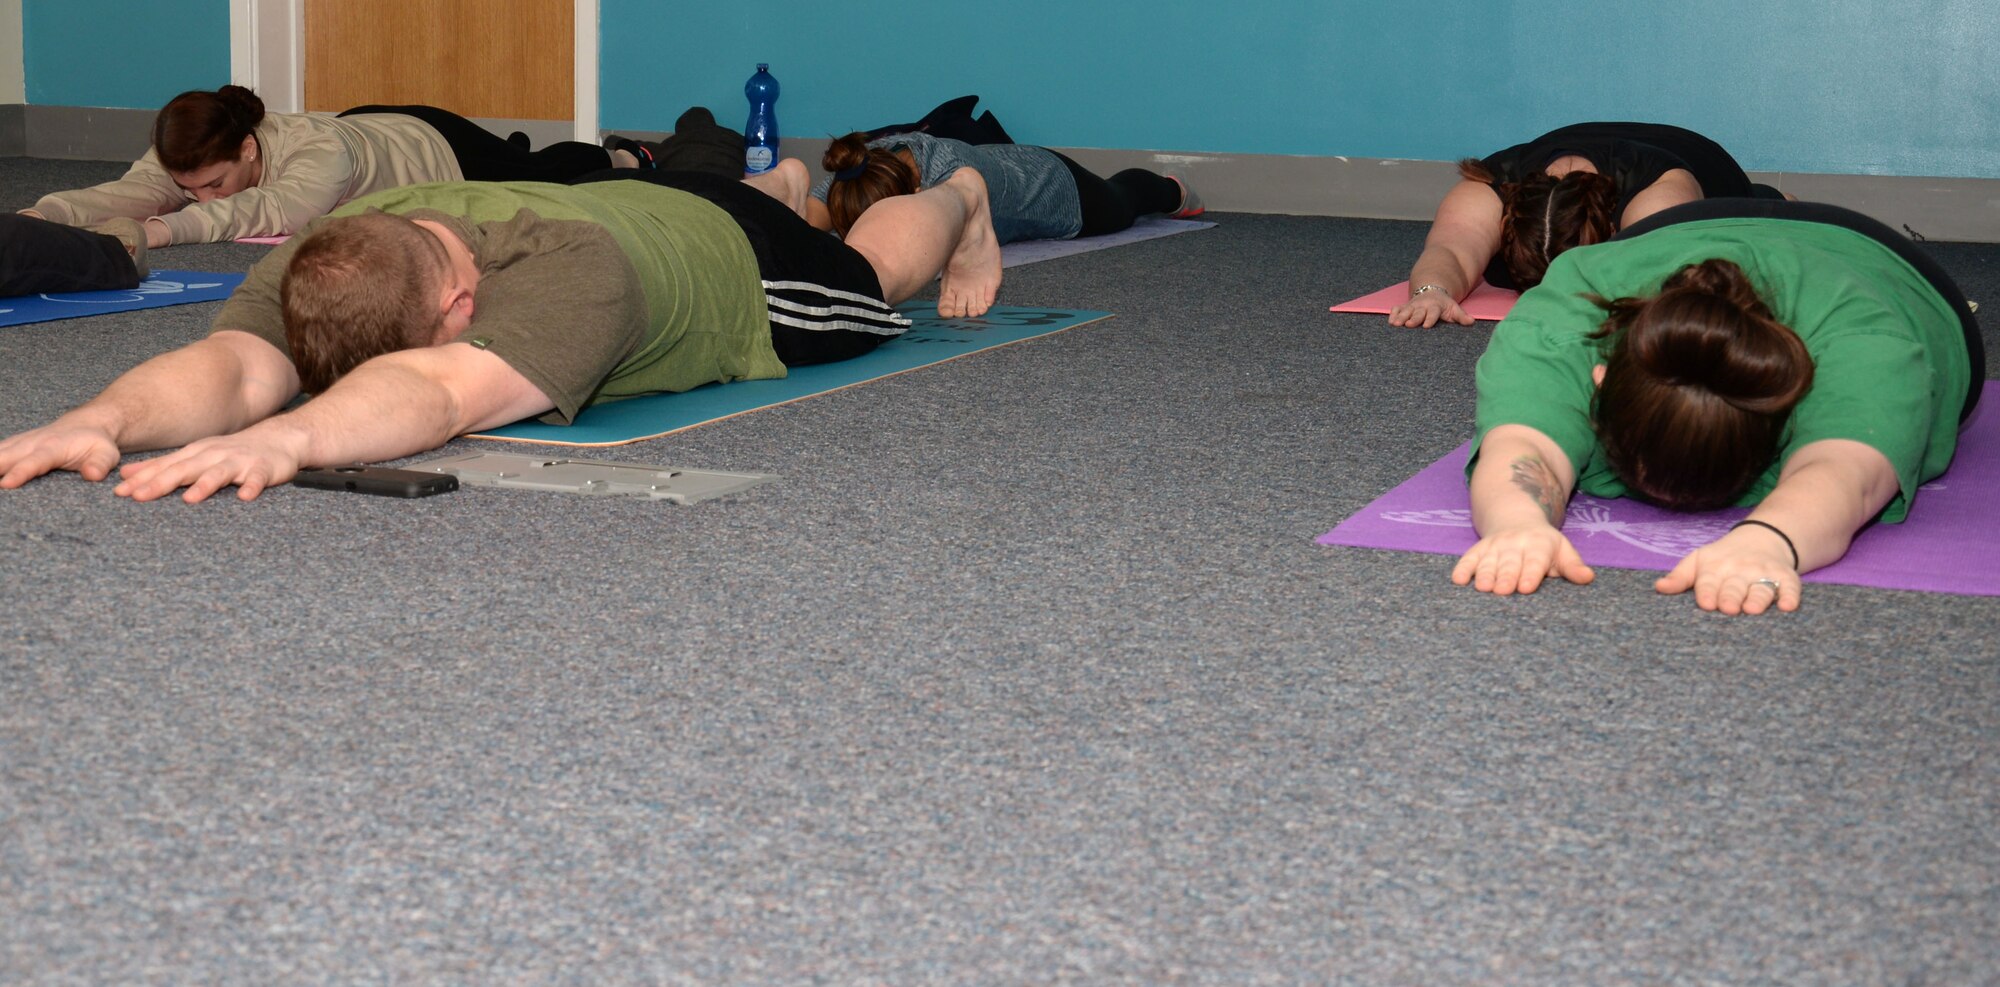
(760, 135)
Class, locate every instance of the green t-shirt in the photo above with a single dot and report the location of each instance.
(1890, 368)
(593, 292)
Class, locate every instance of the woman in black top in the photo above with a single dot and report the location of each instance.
(1516, 209)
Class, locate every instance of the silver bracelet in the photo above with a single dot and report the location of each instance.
(1414, 292)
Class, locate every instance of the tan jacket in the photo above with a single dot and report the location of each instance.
(312, 163)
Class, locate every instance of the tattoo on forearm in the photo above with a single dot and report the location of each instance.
(1534, 478)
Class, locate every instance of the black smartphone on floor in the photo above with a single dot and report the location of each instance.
(378, 480)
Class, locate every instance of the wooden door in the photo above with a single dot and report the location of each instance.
(498, 59)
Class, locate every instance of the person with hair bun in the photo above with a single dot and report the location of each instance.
(1515, 210)
(221, 168)
(1798, 358)
(1035, 193)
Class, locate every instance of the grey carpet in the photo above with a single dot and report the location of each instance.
(1028, 671)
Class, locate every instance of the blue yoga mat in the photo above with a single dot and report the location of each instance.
(162, 289)
(930, 340)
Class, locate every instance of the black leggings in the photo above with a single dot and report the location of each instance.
(793, 259)
(484, 157)
(1113, 205)
(1820, 212)
(38, 256)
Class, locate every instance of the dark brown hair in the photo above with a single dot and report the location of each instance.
(1698, 384)
(882, 173)
(198, 128)
(358, 287)
(1541, 216)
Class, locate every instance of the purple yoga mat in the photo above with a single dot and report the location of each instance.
(1949, 543)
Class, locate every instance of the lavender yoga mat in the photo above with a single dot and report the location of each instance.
(1148, 228)
(1949, 544)
(1485, 303)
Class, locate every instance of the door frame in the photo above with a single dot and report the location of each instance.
(267, 47)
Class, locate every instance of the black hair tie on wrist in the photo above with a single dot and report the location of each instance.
(1772, 528)
(850, 174)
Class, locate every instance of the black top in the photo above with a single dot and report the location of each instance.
(1632, 155)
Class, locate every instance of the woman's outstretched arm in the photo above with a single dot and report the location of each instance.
(1463, 238)
(1520, 491)
(145, 191)
(1825, 493)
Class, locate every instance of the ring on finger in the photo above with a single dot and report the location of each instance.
(1754, 583)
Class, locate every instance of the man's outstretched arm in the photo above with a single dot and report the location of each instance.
(214, 386)
(392, 406)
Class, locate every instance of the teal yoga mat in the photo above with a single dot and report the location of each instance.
(162, 289)
(930, 340)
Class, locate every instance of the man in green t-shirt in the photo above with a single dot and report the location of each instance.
(423, 313)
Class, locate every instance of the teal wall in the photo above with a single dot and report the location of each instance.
(1839, 86)
(122, 53)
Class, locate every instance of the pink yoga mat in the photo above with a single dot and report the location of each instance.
(1949, 544)
(273, 240)
(1486, 302)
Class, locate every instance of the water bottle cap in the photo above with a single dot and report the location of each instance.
(763, 66)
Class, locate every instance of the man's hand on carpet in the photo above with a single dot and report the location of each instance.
(250, 461)
(84, 449)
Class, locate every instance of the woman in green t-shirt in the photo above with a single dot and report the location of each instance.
(1796, 357)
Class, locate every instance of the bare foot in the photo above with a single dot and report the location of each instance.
(972, 276)
(788, 182)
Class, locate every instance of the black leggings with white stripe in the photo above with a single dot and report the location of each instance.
(824, 298)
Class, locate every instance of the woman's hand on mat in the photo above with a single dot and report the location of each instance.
(1736, 574)
(1428, 309)
(83, 449)
(250, 461)
(1517, 560)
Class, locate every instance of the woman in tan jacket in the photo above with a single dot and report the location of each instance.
(221, 168)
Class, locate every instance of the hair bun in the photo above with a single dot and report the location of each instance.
(1698, 384)
(242, 103)
(846, 152)
(1708, 323)
(1721, 278)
